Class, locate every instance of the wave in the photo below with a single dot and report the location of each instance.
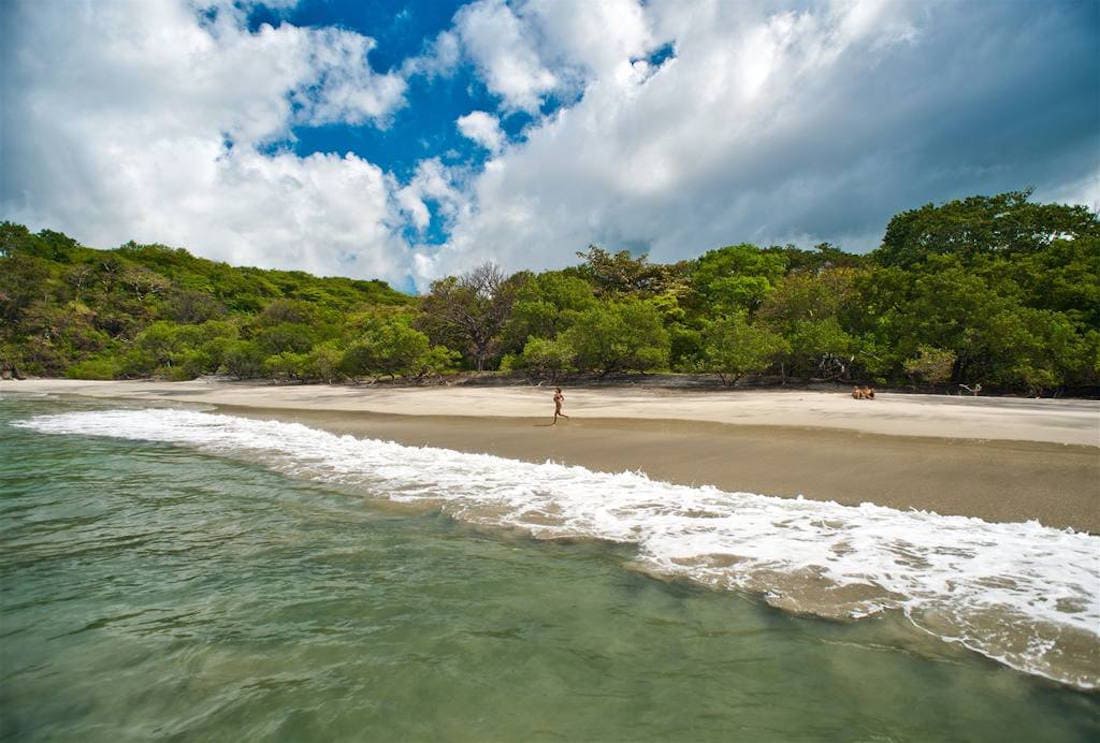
(1022, 593)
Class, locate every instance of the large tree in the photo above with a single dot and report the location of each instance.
(1005, 224)
(735, 277)
(619, 336)
(468, 312)
(734, 347)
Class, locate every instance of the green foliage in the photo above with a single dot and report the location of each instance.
(322, 363)
(819, 349)
(543, 358)
(738, 277)
(243, 359)
(1006, 224)
(931, 364)
(469, 312)
(619, 336)
(621, 273)
(805, 309)
(990, 289)
(180, 351)
(734, 347)
(387, 348)
(545, 306)
(823, 256)
(144, 310)
(437, 361)
(101, 368)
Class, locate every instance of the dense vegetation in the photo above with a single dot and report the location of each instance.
(997, 291)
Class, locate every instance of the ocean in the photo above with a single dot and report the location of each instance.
(175, 573)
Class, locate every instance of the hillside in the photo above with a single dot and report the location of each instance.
(993, 291)
(143, 310)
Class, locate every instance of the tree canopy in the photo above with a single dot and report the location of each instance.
(992, 290)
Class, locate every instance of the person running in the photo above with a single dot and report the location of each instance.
(559, 399)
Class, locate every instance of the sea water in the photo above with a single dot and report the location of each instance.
(175, 573)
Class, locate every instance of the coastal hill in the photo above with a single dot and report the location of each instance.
(993, 291)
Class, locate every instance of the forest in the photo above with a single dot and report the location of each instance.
(996, 291)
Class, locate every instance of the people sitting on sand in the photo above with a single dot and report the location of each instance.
(9, 371)
(863, 393)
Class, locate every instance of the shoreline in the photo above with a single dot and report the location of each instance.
(1060, 421)
(1037, 460)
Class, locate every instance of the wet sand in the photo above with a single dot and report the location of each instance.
(1055, 484)
(996, 459)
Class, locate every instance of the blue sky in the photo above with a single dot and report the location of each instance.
(425, 125)
(410, 140)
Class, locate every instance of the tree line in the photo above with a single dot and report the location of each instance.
(997, 290)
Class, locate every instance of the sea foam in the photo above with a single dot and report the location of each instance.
(1021, 593)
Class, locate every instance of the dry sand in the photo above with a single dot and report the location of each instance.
(999, 459)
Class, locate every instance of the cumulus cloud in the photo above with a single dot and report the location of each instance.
(150, 121)
(594, 40)
(440, 57)
(505, 52)
(341, 87)
(432, 183)
(674, 127)
(483, 128)
(773, 126)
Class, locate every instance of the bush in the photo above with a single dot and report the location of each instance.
(545, 359)
(101, 368)
(933, 365)
(243, 359)
(619, 336)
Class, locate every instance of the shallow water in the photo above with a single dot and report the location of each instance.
(154, 590)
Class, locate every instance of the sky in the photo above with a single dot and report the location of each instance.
(413, 140)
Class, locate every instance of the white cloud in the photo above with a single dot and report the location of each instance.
(440, 57)
(483, 128)
(1085, 191)
(147, 121)
(435, 183)
(505, 53)
(598, 38)
(769, 126)
(342, 87)
(120, 132)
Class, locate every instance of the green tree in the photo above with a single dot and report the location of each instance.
(243, 359)
(1005, 224)
(932, 365)
(543, 358)
(806, 310)
(735, 277)
(323, 363)
(386, 348)
(621, 273)
(734, 347)
(619, 336)
(469, 312)
(545, 305)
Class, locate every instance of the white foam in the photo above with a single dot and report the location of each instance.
(1022, 593)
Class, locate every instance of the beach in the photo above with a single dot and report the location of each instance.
(998, 459)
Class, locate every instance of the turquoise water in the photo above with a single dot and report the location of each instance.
(153, 591)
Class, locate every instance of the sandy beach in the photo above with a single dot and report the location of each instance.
(999, 459)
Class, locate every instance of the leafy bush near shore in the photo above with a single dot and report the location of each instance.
(992, 290)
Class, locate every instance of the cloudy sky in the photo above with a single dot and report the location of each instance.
(409, 140)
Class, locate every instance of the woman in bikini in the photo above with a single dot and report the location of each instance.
(559, 398)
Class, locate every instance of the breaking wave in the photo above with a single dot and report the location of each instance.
(1022, 593)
